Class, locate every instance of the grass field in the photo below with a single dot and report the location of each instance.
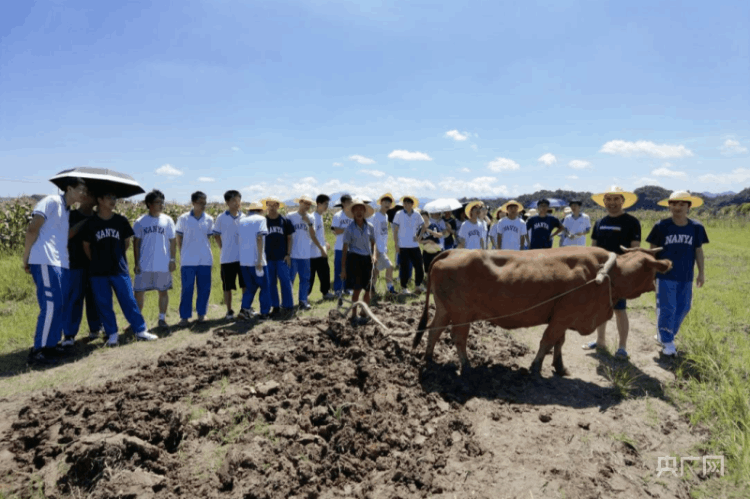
(713, 381)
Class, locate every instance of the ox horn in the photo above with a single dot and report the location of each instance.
(606, 268)
(652, 251)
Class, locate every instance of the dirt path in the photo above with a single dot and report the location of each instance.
(314, 408)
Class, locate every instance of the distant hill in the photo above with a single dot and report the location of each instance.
(713, 195)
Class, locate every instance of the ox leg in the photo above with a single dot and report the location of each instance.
(436, 328)
(460, 335)
(550, 338)
(557, 361)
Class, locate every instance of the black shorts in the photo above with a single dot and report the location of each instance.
(621, 305)
(359, 271)
(229, 274)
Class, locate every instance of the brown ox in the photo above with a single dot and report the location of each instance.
(477, 285)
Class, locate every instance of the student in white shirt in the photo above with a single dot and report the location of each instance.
(406, 227)
(154, 254)
(510, 232)
(302, 239)
(194, 230)
(380, 222)
(226, 233)
(253, 230)
(576, 225)
(338, 225)
(319, 262)
(45, 257)
(472, 235)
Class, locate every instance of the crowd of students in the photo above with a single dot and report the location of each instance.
(80, 255)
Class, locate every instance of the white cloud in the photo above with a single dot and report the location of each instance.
(235, 148)
(646, 181)
(732, 147)
(579, 164)
(502, 165)
(338, 164)
(738, 176)
(480, 186)
(206, 179)
(548, 159)
(538, 187)
(465, 170)
(409, 156)
(168, 171)
(374, 173)
(572, 177)
(644, 147)
(361, 159)
(666, 172)
(474, 146)
(456, 135)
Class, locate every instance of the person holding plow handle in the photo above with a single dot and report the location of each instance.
(359, 254)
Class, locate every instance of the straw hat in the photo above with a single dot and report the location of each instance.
(568, 210)
(497, 212)
(695, 201)
(369, 210)
(510, 203)
(471, 205)
(256, 206)
(413, 198)
(272, 199)
(386, 195)
(305, 199)
(532, 212)
(630, 198)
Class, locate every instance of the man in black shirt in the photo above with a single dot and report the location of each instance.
(540, 227)
(614, 230)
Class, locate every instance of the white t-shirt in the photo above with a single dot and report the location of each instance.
(408, 228)
(196, 243)
(511, 232)
(380, 222)
(301, 240)
(228, 228)
(248, 228)
(154, 234)
(51, 247)
(472, 234)
(340, 221)
(574, 226)
(320, 233)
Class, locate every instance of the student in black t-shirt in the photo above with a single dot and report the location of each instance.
(79, 287)
(611, 232)
(279, 256)
(540, 227)
(106, 238)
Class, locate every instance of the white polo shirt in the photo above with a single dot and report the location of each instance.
(320, 233)
(227, 226)
(340, 221)
(380, 222)
(408, 228)
(511, 232)
(248, 229)
(301, 240)
(196, 243)
(154, 234)
(472, 234)
(574, 226)
(51, 247)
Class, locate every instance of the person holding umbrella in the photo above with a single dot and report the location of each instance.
(194, 230)
(106, 238)
(46, 258)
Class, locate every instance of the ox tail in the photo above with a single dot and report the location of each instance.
(425, 312)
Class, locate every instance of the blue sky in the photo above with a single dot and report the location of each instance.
(433, 99)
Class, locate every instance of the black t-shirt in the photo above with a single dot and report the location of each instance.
(107, 240)
(449, 239)
(78, 259)
(541, 229)
(278, 230)
(612, 232)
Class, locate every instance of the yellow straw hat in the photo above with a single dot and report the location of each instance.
(630, 198)
(510, 203)
(387, 195)
(255, 205)
(272, 199)
(471, 205)
(305, 199)
(695, 201)
(498, 211)
(369, 210)
(413, 198)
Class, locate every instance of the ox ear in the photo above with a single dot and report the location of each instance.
(661, 266)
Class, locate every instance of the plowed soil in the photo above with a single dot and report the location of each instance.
(317, 408)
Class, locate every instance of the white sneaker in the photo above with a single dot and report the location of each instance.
(669, 349)
(112, 340)
(406, 291)
(68, 342)
(421, 289)
(146, 336)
